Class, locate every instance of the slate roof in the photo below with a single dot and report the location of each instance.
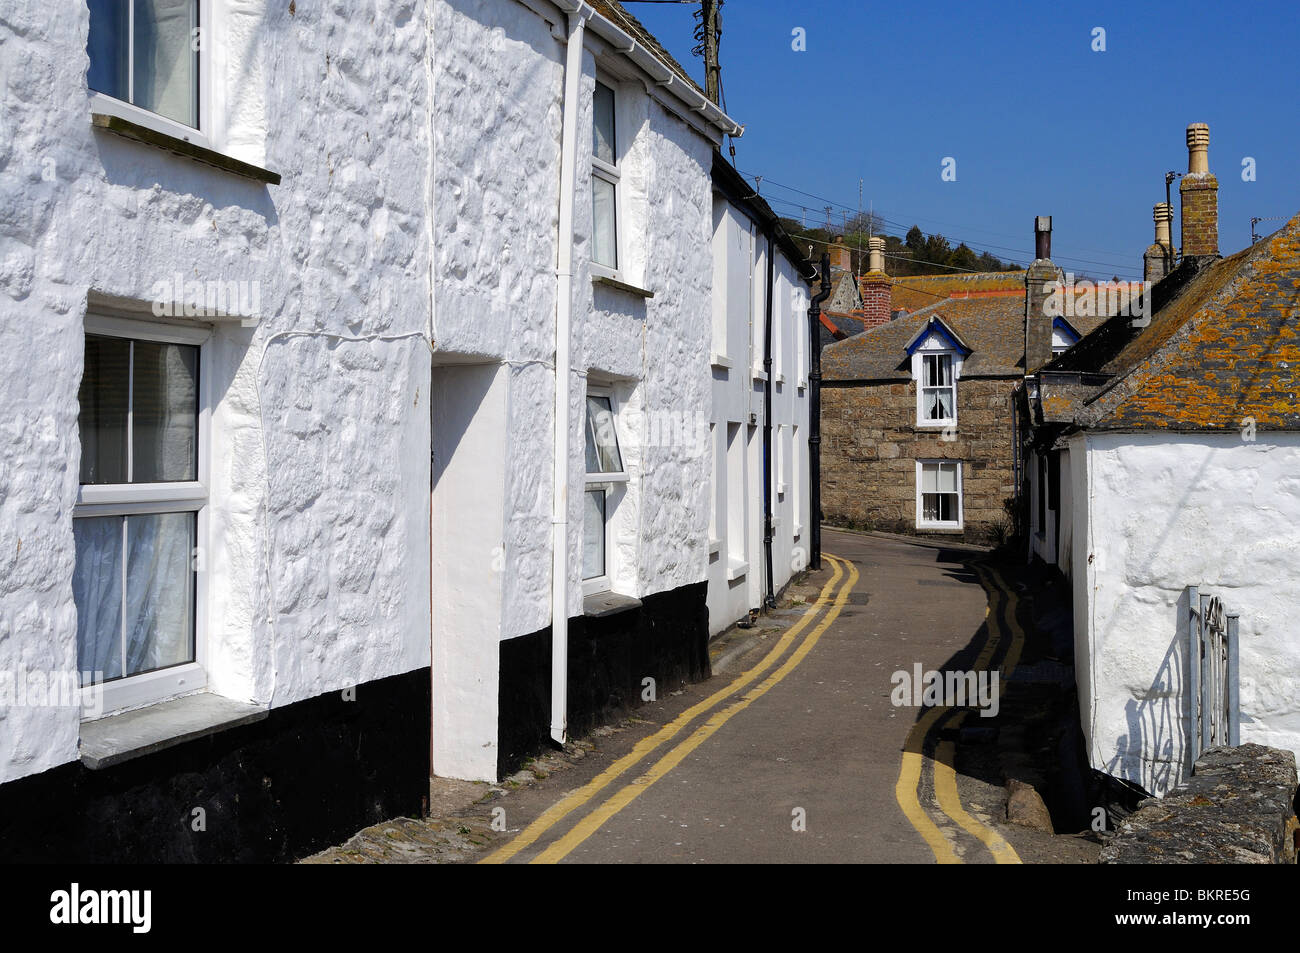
(837, 325)
(992, 327)
(1225, 347)
(912, 293)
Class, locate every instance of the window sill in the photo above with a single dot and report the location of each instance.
(939, 528)
(736, 568)
(715, 545)
(151, 137)
(133, 734)
(721, 362)
(758, 374)
(609, 282)
(601, 604)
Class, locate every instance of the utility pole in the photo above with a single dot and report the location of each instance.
(712, 31)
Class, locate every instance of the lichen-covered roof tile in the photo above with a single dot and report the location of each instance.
(1223, 355)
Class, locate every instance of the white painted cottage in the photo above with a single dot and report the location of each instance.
(214, 361)
(1163, 453)
(759, 428)
(285, 295)
(565, 133)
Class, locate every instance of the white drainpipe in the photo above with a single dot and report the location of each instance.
(563, 312)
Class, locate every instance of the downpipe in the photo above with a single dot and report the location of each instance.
(815, 415)
(563, 344)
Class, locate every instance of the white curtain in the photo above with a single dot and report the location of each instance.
(164, 429)
(604, 212)
(97, 592)
(593, 535)
(166, 74)
(159, 591)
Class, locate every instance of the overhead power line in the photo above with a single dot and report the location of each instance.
(979, 246)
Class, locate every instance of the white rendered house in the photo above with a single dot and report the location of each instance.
(1162, 454)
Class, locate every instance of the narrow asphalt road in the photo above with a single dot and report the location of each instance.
(809, 770)
(798, 750)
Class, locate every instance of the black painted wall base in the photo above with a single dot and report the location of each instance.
(666, 638)
(309, 775)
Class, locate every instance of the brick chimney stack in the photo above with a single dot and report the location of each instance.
(875, 287)
(1199, 192)
(1159, 257)
(841, 256)
(1039, 282)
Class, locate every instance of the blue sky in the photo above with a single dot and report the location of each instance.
(1037, 122)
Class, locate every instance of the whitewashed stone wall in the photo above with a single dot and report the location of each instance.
(1162, 513)
(739, 312)
(319, 500)
(498, 73)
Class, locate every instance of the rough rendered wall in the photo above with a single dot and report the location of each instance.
(498, 73)
(318, 560)
(739, 290)
(1164, 513)
(870, 445)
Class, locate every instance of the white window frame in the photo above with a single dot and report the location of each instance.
(607, 482)
(921, 522)
(203, 135)
(918, 376)
(612, 174)
(181, 497)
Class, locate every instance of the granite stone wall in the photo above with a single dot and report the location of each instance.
(870, 445)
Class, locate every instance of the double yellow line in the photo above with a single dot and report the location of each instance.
(588, 825)
(1000, 614)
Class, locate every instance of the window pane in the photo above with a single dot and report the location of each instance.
(97, 594)
(938, 370)
(602, 126)
(165, 421)
(602, 437)
(107, 48)
(159, 591)
(593, 535)
(947, 478)
(166, 67)
(604, 232)
(103, 403)
(939, 507)
(929, 478)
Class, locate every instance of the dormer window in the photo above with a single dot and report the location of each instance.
(1064, 336)
(936, 353)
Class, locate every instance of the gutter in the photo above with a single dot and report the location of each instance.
(659, 71)
(563, 345)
